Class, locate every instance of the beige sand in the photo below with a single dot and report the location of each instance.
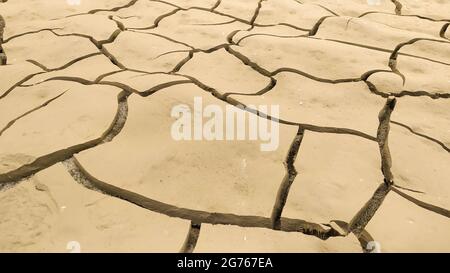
(87, 158)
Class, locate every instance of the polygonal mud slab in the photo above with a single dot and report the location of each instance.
(242, 10)
(51, 210)
(237, 239)
(349, 170)
(278, 30)
(420, 165)
(37, 11)
(143, 14)
(303, 100)
(26, 219)
(355, 30)
(437, 50)
(408, 23)
(147, 52)
(269, 14)
(206, 4)
(89, 68)
(354, 8)
(325, 60)
(422, 75)
(400, 226)
(96, 26)
(225, 73)
(73, 118)
(387, 82)
(214, 176)
(143, 81)
(425, 116)
(22, 100)
(435, 9)
(48, 49)
(199, 29)
(14, 74)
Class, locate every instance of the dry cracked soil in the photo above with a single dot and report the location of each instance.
(87, 160)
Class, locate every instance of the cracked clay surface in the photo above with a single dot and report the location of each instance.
(86, 152)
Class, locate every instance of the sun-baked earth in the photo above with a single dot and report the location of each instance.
(88, 163)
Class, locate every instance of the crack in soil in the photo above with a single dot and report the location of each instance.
(3, 58)
(16, 176)
(288, 179)
(11, 123)
(191, 238)
(365, 214)
(85, 179)
(440, 143)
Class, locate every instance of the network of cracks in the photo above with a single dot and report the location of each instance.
(363, 93)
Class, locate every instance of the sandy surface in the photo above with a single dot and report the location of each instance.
(88, 162)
